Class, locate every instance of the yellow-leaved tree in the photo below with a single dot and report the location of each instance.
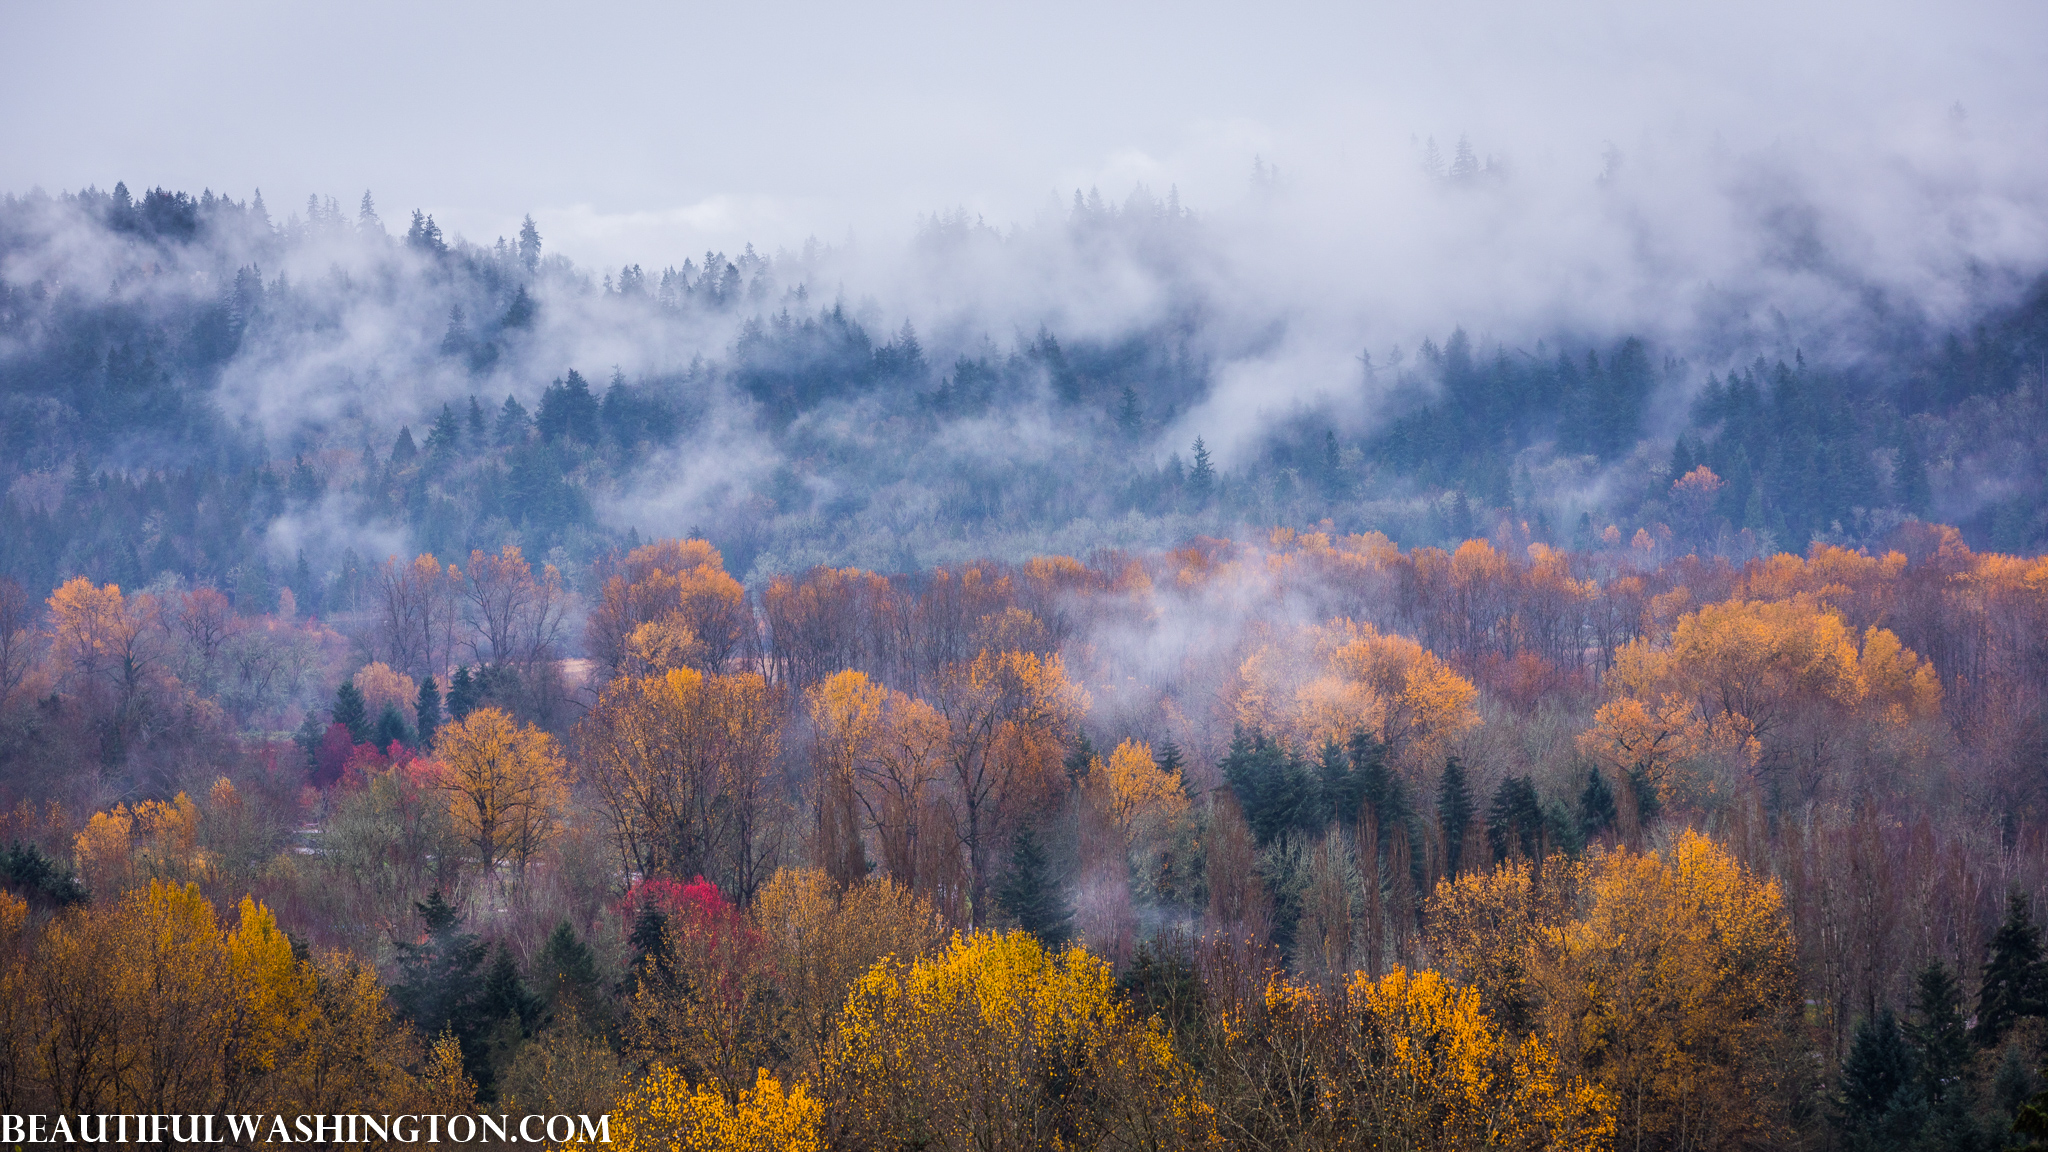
(683, 764)
(664, 1113)
(1007, 716)
(507, 786)
(821, 938)
(996, 1044)
(1667, 979)
(1674, 988)
(1129, 788)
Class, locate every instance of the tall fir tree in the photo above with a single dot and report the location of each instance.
(1880, 1107)
(567, 975)
(1032, 894)
(1202, 477)
(1454, 809)
(1130, 419)
(391, 728)
(1941, 1046)
(438, 985)
(462, 694)
(1597, 810)
(1080, 758)
(351, 712)
(2012, 985)
(1514, 820)
(427, 709)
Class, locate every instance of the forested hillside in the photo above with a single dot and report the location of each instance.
(437, 679)
(193, 389)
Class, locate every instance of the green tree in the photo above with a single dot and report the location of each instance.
(1454, 809)
(513, 422)
(1514, 820)
(462, 695)
(351, 712)
(1130, 419)
(529, 244)
(506, 1015)
(1941, 1045)
(1881, 1106)
(438, 988)
(428, 710)
(1079, 759)
(1031, 893)
(443, 437)
(1202, 477)
(1597, 811)
(43, 882)
(2013, 974)
(391, 727)
(567, 975)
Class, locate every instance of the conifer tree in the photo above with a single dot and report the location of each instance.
(1881, 1106)
(1454, 808)
(442, 437)
(1514, 820)
(504, 997)
(367, 220)
(567, 974)
(1078, 760)
(1377, 784)
(1648, 802)
(462, 695)
(529, 244)
(428, 710)
(519, 313)
(351, 712)
(1338, 797)
(1941, 1046)
(2013, 979)
(1597, 810)
(438, 986)
(391, 728)
(1202, 477)
(1031, 893)
(513, 422)
(42, 881)
(646, 937)
(1168, 757)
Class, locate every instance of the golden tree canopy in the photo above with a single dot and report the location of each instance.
(506, 785)
(1324, 683)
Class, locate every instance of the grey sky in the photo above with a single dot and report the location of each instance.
(651, 131)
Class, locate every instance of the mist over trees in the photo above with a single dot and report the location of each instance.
(193, 388)
(437, 678)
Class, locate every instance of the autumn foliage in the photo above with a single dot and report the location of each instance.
(1310, 843)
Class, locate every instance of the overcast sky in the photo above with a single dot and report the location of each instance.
(652, 131)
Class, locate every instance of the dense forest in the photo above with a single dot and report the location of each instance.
(432, 681)
(1305, 842)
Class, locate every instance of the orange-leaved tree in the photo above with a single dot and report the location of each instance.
(1776, 685)
(698, 612)
(1007, 716)
(1318, 684)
